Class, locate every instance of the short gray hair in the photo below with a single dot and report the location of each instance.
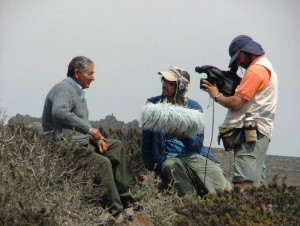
(81, 63)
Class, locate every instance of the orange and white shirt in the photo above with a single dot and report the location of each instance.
(259, 87)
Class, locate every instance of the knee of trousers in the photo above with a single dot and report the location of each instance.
(102, 161)
(170, 165)
(117, 143)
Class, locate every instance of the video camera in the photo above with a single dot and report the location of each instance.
(226, 81)
(211, 80)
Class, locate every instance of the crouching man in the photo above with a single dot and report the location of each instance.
(181, 159)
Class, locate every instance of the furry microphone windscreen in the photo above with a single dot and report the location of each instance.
(167, 118)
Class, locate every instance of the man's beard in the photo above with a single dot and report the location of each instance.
(248, 61)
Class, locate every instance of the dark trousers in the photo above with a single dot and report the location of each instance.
(111, 172)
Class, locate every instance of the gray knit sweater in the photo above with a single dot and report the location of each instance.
(65, 112)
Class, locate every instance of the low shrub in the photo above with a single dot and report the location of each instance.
(40, 185)
(273, 204)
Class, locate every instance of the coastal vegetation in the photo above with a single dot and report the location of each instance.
(40, 185)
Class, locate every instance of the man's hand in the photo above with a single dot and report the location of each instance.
(212, 89)
(231, 102)
(95, 133)
(177, 134)
(102, 146)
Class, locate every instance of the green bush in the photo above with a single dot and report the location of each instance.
(274, 204)
(39, 185)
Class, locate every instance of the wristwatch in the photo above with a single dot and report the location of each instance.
(216, 97)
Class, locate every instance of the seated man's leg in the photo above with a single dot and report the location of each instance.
(249, 165)
(175, 171)
(207, 173)
(125, 179)
(100, 168)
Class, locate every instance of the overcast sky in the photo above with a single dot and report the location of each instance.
(131, 40)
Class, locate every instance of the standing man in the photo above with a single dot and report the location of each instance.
(65, 112)
(257, 94)
(175, 156)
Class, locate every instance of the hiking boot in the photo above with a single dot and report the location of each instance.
(129, 213)
(127, 201)
(137, 207)
(119, 218)
(109, 219)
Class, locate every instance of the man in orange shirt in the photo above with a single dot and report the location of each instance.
(257, 94)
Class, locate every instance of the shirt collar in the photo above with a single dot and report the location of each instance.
(77, 87)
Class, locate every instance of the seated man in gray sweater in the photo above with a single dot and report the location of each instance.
(65, 112)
